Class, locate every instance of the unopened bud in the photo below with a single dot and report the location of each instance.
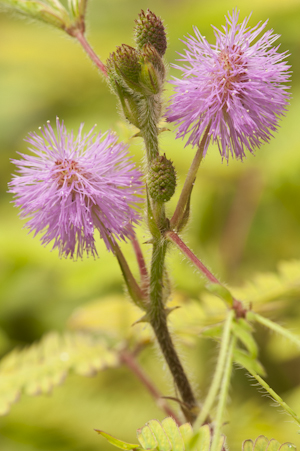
(161, 179)
(124, 65)
(153, 69)
(78, 9)
(150, 30)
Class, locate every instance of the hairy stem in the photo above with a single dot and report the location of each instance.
(90, 52)
(275, 327)
(141, 264)
(215, 446)
(174, 238)
(133, 288)
(215, 385)
(189, 181)
(129, 360)
(149, 128)
(158, 320)
(274, 395)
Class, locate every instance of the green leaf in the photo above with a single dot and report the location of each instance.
(201, 440)
(241, 331)
(247, 445)
(273, 445)
(42, 366)
(186, 432)
(172, 431)
(263, 444)
(244, 359)
(146, 438)
(163, 442)
(213, 331)
(287, 447)
(220, 291)
(118, 443)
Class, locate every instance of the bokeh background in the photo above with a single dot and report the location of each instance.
(246, 219)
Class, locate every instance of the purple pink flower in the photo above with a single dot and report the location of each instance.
(72, 185)
(234, 87)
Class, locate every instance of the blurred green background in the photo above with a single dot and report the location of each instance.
(246, 218)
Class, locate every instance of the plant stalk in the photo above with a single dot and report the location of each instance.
(174, 238)
(275, 327)
(158, 320)
(274, 395)
(215, 446)
(149, 128)
(189, 181)
(133, 288)
(129, 360)
(79, 35)
(215, 385)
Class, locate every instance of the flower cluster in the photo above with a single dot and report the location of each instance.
(73, 185)
(234, 87)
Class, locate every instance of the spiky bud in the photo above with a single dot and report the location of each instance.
(161, 179)
(124, 63)
(150, 30)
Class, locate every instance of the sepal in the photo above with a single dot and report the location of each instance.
(78, 9)
(53, 13)
(152, 69)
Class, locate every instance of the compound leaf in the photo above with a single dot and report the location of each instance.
(42, 366)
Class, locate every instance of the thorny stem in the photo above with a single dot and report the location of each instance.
(174, 238)
(128, 358)
(188, 184)
(215, 385)
(90, 52)
(158, 320)
(223, 396)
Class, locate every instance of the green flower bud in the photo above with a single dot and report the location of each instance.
(150, 54)
(123, 65)
(150, 30)
(78, 9)
(153, 69)
(53, 13)
(161, 179)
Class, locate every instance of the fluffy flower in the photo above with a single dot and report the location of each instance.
(73, 185)
(235, 87)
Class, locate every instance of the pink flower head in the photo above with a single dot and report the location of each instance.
(234, 87)
(72, 185)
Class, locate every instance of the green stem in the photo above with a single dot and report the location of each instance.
(215, 385)
(274, 395)
(133, 288)
(149, 127)
(275, 327)
(189, 181)
(223, 396)
(158, 320)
